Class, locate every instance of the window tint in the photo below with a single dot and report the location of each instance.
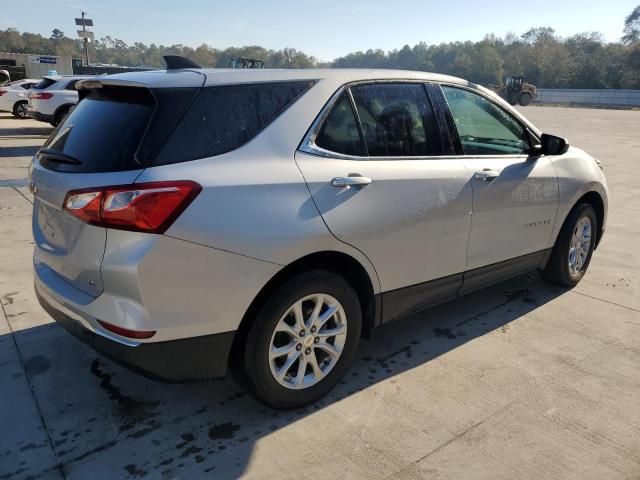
(224, 118)
(103, 131)
(339, 133)
(44, 83)
(483, 127)
(397, 120)
(71, 85)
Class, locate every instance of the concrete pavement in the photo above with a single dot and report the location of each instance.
(521, 380)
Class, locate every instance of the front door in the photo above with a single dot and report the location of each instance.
(381, 185)
(515, 196)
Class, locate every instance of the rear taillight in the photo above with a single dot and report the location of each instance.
(144, 207)
(40, 95)
(2, 91)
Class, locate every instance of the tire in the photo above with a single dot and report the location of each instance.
(567, 265)
(525, 99)
(259, 369)
(60, 116)
(20, 110)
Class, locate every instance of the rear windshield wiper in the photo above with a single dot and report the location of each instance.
(58, 157)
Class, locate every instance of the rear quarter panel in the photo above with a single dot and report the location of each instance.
(255, 202)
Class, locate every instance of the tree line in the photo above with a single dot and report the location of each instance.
(547, 60)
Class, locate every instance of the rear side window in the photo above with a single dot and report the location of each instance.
(102, 133)
(397, 120)
(223, 118)
(72, 85)
(44, 83)
(339, 133)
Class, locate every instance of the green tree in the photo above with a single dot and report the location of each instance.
(57, 34)
(632, 27)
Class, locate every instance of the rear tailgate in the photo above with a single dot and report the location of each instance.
(95, 146)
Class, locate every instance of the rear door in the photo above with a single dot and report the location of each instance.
(515, 195)
(376, 167)
(95, 146)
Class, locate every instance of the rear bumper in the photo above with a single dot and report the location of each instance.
(41, 117)
(183, 360)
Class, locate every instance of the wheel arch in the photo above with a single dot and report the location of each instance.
(595, 200)
(337, 262)
(65, 107)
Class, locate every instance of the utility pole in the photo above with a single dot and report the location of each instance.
(85, 34)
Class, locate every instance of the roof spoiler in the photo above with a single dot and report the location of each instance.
(176, 62)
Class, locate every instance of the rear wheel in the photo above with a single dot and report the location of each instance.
(302, 341)
(20, 110)
(525, 99)
(60, 116)
(574, 247)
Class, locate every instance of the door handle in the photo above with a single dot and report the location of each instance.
(486, 174)
(355, 181)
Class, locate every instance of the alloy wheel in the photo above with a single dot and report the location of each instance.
(21, 110)
(580, 245)
(307, 341)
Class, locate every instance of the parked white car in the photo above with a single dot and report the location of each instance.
(13, 97)
(51, 99)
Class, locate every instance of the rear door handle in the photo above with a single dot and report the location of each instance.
(486, 174)
(355, 181)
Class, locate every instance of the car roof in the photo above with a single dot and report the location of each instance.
(218, 76)
(57, 78)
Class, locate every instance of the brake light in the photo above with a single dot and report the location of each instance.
(2, 91)
(145, 207)
(125, 332)
(40, 95)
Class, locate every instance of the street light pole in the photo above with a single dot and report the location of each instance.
(86, 41)
(85, 34)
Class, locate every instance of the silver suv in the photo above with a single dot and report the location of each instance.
(189, 220)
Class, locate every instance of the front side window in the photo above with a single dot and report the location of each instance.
(483, 127)
(339, 133)
(397, 120)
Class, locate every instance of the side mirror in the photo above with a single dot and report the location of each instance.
(552, 145)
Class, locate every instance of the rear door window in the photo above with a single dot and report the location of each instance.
(223, 118)
(397, 120)
(101, 134)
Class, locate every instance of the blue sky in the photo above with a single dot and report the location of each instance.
(323, 28)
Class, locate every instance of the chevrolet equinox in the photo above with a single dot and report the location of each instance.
(190, 220)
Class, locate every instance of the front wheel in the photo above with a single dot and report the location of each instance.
(303, 340)
(574, 247)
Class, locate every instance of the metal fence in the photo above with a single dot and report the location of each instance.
(596, 98)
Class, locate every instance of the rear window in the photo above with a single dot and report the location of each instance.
(223, 118)
(102, 132)
(44, 83)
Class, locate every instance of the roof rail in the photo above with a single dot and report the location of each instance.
(176, 62)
